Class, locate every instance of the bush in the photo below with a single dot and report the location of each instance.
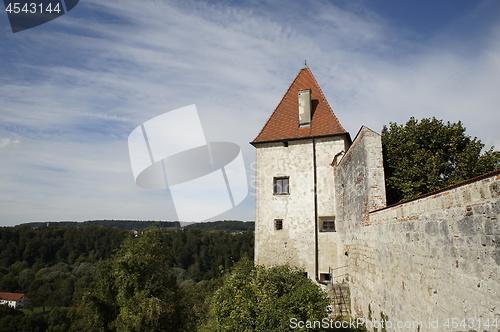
(254, 298)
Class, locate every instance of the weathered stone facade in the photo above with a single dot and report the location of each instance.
(428, 264)
(295, 242)
(425, 264)
(297, 146)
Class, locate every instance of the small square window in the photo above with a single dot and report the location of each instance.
(281, 186)
(327, 224)
(278, 224)
(325, 276)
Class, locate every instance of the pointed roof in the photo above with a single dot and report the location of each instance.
(284, 122)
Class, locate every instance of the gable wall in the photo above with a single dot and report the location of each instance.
(359, 180)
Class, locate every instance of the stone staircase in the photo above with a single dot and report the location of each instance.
(340, 299)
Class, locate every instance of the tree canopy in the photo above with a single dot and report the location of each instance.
(100, 278)
(135, 290)
(255, 298)
(225, 225)
(426, 155)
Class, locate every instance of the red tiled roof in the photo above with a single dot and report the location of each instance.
(10, 296)
(284, 122)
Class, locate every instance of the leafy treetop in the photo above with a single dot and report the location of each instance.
(426, 155)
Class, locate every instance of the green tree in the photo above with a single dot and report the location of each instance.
(9, 283)
(135, 290)
(426, 155)
(34, 322)
(254, 298)
(60, 320)
(9, 319)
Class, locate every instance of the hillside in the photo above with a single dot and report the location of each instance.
(129, 225)
(223, 225)
(123, 224)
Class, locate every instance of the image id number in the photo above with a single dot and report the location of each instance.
(32, 8)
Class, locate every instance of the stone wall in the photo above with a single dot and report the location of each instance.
(432, 259)
(431, 262)
(423, 265)
(359, 188)
(294, 244)
(359, 180)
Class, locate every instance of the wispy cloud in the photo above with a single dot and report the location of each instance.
(8, 142)
(72, 90)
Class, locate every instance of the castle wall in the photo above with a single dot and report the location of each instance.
(428, 263)
(359, 188)
(295, 243)
(431, 261)
(359, 180)
(327, 248)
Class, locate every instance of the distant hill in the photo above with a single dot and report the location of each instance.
(123, 224)
(225, 225)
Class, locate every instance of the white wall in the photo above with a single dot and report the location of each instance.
(295, 243)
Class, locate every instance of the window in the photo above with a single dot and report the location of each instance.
(281, 186)
(327, 224)
(278, 224)
(325, 276)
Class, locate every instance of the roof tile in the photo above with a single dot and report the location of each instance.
(284, 122)
(10, 296)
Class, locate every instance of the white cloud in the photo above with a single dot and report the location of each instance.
(95, 74)
(8, 142)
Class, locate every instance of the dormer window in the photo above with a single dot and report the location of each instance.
(304, 108)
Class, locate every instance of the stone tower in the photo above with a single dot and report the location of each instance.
(295, 199)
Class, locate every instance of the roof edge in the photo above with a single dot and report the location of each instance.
(280, 102)
(302, 138)
(326, 100)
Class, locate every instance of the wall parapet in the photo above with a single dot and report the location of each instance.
(466, 196)
(436, 193)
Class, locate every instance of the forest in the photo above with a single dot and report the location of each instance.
(97, 278)
(56, 265)
(225, 225)
(123, 224)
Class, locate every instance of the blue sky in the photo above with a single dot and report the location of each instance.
(72, 90)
